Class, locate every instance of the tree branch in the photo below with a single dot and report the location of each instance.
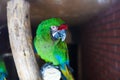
(21, 40)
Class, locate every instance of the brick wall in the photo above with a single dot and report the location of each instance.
(101, 46)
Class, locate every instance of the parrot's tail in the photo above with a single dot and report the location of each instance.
(67, 75)
(3, 76)
(5, 79)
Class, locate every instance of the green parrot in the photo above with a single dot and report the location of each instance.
(50, 45)
(3, 71)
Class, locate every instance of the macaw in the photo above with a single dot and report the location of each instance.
(50, 45)
(3, 71)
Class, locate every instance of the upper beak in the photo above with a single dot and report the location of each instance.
(60, 33)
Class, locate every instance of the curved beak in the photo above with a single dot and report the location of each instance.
(60, 33)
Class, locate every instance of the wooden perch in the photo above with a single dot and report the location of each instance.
(21, 40)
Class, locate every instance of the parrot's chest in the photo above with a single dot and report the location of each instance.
(45, 49)
(54, 52)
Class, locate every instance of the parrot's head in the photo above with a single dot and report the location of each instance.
(54, 28)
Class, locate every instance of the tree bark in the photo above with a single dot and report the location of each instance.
(21, 40)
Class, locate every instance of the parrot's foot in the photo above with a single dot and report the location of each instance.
(50, 72)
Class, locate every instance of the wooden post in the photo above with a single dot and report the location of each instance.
(21, 40)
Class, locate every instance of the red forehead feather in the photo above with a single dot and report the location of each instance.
(63, 26)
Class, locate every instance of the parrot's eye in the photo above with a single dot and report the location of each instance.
(54, 28)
